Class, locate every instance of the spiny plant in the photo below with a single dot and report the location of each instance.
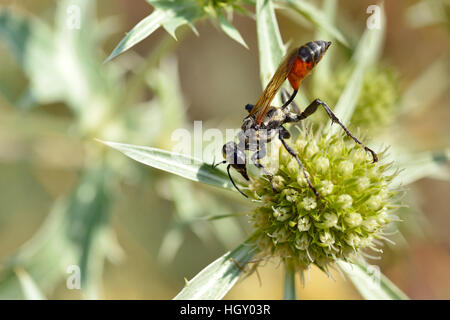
(291, 225)
(355, 204)
(359, 197)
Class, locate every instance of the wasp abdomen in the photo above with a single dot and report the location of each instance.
(313, 51)
(307, 57)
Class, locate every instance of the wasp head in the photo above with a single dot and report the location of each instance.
(235, 157)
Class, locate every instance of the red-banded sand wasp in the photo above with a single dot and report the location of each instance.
(265, 122)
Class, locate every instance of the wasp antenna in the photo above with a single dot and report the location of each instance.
(215, 165)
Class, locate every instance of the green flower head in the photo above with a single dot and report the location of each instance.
(354, 205)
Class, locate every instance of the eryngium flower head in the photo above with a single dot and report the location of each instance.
(354, 206)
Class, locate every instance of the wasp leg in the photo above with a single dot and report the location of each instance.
(255, 159)
(284, 99)
(313, 107)
(296, 111)
(284, 134)
(232, 181)
(291, 98)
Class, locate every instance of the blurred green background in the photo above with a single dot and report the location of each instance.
(139, 232)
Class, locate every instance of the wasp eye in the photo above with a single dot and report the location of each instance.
(229, 149)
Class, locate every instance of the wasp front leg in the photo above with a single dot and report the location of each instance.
(284, 134)
(258, 155)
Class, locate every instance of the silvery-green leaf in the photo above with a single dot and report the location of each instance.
(68, 56)
(29, 288)
(170, 244)
(322, 72)
(270, 45)
(196, 211)
(179, 12)
(366, 53)
(74, 234)
(426, 89)
(179, 164)
(230, 30)
(214, 281)
(227, 231)
(370, 282)
(169, 14)
(31, 43)
(433, 164)
(316, 16)
(165, 84)
(139, 32)
(426, 13)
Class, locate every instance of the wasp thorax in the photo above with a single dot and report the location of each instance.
(302, 229)
(248, 123)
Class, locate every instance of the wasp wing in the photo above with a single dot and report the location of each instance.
(263, 104)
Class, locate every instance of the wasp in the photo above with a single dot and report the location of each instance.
(265, 122)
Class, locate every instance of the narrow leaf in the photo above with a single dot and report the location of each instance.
(74, 233)
(31, 43)
(317, 17)
(139, 32)
(219, 277)
(417, 166)
(270, 44)
(324, 70)
(182, 165)
(171, 243)
(230, 30)
(29, 288)
(371, 283)
(366, 54)
(171, 25)
(425, 90)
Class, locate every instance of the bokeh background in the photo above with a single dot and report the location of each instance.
(140, 232)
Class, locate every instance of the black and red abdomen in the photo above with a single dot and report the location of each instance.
(313, 51)
(307, 57)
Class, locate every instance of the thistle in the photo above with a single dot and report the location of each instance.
(354, 206)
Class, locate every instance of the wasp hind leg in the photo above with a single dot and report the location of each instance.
(285, 98)
(258, 155)
(291, 99)
(313, 107)
(284, 134)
